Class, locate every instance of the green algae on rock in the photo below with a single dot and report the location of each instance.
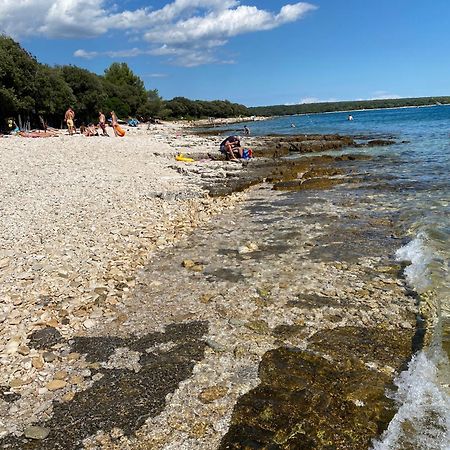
(323, 398)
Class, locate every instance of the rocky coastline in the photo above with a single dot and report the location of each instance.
(233, 327)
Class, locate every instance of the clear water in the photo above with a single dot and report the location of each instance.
(415, 182)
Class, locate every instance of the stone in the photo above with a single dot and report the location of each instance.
(68, 397)
(23, 350)
(49, 356)
(258, 326)
(88, 323)
(188, 263)
(36, 432)
(55, 385)
(45, 338)
(19, 382)
(216, 346)
(61, 375)
(76, 379)
(212, 393)
(37, 363)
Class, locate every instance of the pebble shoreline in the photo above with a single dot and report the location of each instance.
(79, 217)
(114, 290)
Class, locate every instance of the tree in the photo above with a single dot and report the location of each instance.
(88, 89)
(17, 78)
(126, 91)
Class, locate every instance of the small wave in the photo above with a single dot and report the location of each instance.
(420, 256)
(423, 419)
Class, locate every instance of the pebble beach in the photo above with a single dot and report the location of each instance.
(138, 312)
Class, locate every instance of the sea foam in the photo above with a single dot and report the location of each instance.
(423, 419)
(420, 255)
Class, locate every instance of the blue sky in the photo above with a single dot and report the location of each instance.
(255, 52)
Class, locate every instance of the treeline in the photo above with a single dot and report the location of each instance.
(309, 108)
(33, 92)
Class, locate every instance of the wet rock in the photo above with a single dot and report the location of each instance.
(49, 356)
(310, 183)
(306, 401)
(45, 338)
(212, 393)
(258, 326)
(380, 142)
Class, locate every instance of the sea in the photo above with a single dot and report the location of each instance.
(414, 180)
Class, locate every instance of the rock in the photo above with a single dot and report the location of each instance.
(18, 382)
(216, 346)
(197, 268)
(258, 326)
(37, 363)
(35, 432)
(45, 338)
(212, 393)
(188, 263)
(49, 356)
(24, 350)
(88, 323)
(74, 356)
(54, 385)
(61, 375)
(68, 397)
(76, 379)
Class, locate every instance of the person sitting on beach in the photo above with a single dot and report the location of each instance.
(231, 147)
(90, 130)
(102, 123)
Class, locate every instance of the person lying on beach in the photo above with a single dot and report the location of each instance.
(231, 147)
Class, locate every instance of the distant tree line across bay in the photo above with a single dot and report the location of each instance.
(311, 108)
(32, 92)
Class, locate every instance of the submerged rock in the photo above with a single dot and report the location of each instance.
(307, 401)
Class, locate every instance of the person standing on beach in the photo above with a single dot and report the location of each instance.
(102, 123)
(246, 130)
(69, 118)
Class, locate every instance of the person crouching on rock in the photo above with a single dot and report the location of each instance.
(231, 147)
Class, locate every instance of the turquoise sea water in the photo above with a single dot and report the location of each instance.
(415, 182)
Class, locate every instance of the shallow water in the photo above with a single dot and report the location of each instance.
(412, 180)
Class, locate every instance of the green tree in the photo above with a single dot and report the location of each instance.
(88, 89)
(126, 91)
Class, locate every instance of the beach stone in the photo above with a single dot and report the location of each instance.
(56, 384)
(23, 350)
(212, 393)
(258, 326)
(68, 397)
(61, 375)
(19, 382)
(35, 432)
(37, 363)
(188, 263)
(89, 323)
(45, 338)
(216, 346)
(49, 356)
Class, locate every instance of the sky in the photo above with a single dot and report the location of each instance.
(254, 52)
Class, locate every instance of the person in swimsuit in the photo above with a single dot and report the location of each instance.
(69, 119)
(102, 123)
(114, 122)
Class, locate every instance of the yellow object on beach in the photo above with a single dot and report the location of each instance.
(181, 157)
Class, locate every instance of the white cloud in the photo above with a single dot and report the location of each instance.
(383, 95)
(307, 100)
(189, 31)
